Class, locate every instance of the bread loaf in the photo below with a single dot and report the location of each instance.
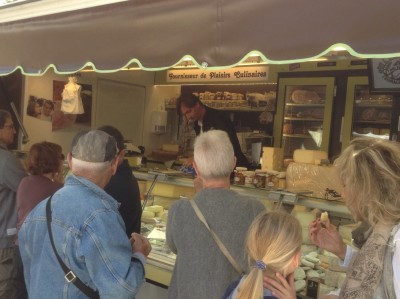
(300, 96)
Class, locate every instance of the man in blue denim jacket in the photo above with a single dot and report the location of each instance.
(88, 231)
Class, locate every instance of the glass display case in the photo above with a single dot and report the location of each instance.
(366, 115)
(305, 107)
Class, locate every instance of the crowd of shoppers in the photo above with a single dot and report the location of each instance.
(87, 229)
(82, 239)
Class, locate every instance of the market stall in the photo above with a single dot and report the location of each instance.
(154, 35)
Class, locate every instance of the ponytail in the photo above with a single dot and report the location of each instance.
(252, 286)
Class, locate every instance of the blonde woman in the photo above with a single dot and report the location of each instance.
(273, 246)
(370, 172)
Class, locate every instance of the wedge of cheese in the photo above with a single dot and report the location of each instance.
(272, 158)
(154, 209)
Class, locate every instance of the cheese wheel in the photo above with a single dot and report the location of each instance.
(331, 278)
(307, 248)
(154, 209)
(148, 214)
(312, 274)
(164, 216)
(299, 285)
(299, 274)
(307, 263)
(323, 289)
(312, 259)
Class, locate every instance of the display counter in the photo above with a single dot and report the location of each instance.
(174, 187)
(163, 188)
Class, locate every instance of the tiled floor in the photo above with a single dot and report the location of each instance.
(151, 291)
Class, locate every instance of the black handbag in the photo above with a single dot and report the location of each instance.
(69, 275)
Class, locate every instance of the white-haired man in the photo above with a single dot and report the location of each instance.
(88, 232)
(201, 269)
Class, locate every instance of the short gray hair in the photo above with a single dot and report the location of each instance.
(370, 172)
(213, 154)
(94, 168)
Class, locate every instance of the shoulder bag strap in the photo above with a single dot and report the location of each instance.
(217, 240)
(69, 275)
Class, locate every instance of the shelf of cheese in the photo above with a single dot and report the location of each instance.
(261, 194)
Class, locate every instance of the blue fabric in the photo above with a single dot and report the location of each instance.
(89, 236)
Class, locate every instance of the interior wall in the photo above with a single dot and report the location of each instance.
(42, 87)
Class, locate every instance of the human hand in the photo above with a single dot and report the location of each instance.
(188, 162)
(140, 244)
(282, 288)
(325, 236)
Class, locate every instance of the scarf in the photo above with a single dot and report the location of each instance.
(366, 268)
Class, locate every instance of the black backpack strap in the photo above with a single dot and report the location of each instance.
(69, 275)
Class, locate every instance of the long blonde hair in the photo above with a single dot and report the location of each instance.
(273, 238)
(370, 171)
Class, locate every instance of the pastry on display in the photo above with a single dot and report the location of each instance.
(301, 96)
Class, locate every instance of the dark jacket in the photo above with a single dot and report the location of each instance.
(217, 120)
(124, 187)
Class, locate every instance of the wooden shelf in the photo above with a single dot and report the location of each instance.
(374, 105)
(303, 119)
(305, 105)
(297, 136)
(374, 122)
(239, 109)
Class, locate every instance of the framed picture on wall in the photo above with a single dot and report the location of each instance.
(384, 75)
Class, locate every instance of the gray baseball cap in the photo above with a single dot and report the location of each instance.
(94, 146)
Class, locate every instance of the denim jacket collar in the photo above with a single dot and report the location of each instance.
(73, 179)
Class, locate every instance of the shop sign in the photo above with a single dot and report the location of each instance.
(241, 74)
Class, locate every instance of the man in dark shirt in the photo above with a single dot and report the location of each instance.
(124, 187)
(206, 119)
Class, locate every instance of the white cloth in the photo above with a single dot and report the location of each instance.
(200, 123)
(71, 99)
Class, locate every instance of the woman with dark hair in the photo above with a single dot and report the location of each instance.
(44, 164)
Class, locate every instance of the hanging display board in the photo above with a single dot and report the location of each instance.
(247, 74)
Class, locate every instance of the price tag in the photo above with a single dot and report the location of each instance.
(312, 288)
